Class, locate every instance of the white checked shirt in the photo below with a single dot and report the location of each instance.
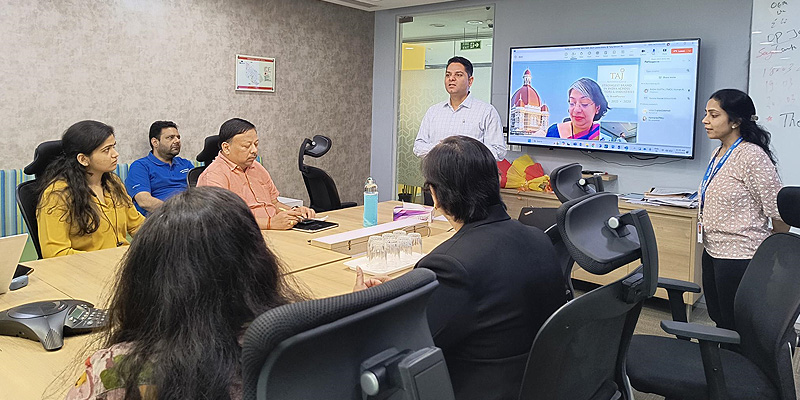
(473, 118)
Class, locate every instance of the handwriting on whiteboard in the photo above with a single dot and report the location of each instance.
(774, 81)
(780, 39)
(789, 120)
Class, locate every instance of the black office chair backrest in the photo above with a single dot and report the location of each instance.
(28, 192)
(206, 156)
(568, 182)
(315, 349)
(322, 192)
(545, 219)
(194, 174)
(580, 351)
(27, 201)
(540, 217)
(210, 150)
(563, 258)
(767, 301)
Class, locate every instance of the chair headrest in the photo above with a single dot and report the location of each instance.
(599, 246)
(210, 149)
(318, 146)
(44, 154)
(582, 223)
(568, 182)
(789, 205)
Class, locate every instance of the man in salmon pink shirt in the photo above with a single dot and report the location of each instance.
(235, 169)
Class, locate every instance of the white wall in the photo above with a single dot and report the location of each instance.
(722, 25)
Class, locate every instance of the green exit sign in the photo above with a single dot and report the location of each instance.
(471, 45)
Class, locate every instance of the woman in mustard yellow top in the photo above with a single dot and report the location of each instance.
(84, 205)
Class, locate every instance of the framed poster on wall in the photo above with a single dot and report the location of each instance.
(255, 74)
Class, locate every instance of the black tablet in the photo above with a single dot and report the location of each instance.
(313, 225)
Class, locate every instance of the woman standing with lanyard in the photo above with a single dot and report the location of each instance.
(737, 198)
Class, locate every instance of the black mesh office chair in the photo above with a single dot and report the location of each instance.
(28, 192)
(206, 156)
(765, 310)
(568, 182)
(322, 192)
(579, 353)
(545, 219)
(374, 342)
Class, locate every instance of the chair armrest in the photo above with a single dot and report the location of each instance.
(675, 290)
(349, 204)
(682, 286)
(709, 337)
(701, 332)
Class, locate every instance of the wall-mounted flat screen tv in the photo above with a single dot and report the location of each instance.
(633, 97)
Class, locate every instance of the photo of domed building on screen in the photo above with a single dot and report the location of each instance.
(529, 115)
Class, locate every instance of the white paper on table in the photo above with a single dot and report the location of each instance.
(367, 232)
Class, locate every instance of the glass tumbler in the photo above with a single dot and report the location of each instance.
(376, 253)
(392, 253)
(416, 243)
(404, 243)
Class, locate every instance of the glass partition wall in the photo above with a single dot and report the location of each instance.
(428, 41)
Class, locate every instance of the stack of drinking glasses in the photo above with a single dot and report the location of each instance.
(393, 250)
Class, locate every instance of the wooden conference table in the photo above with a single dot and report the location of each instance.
(27, 371)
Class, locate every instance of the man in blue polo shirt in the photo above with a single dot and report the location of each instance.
(155, 178)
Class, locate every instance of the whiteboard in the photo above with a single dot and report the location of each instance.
(775, 79)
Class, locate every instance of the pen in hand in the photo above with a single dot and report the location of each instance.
(299, 217)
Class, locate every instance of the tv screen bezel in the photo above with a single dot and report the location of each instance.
(632, 153)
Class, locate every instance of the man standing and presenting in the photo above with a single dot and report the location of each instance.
(161, 174)
(463, 115)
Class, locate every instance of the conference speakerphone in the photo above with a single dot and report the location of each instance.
(48, 321)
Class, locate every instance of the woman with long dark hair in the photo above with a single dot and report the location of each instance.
(738, 197)
(197, 272)
(83, 205)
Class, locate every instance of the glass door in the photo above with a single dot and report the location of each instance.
(428, 41)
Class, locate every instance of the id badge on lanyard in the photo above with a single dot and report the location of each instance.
(711, 172)
(699, 231)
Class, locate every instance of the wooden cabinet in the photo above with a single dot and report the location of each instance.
(675, 229)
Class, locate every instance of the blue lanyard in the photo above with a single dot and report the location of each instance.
(712, 172)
